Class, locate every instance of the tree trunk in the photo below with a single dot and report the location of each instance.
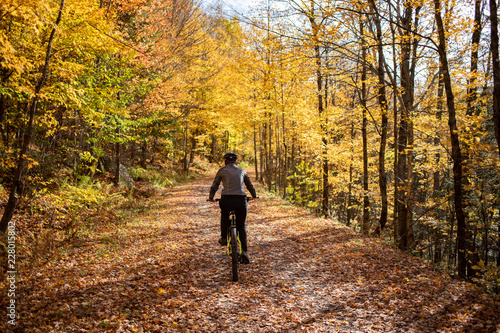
(262, 154)
(471, 111)
(226, 141)
(382, 99)
(3, 128)
(270, 164)
(411, 188)
(498, 246)
(324, 143)
(213, 142)
(31, 110)
(396, 159)
(455, 145)
(285, 157)
(395, 133)
(496, 69)
(486, 227)
(476, 36)
(279, 166)
(292, 167)
(185, 148)
(144, 154)
(365, 227)
(411, 178)
(255, 151)
(437, 246)
(436, 175)
(349, 188)
(192, 151)
(153, 151)
(117, 160)
(319, 93)
(402, 170)
(266, 139)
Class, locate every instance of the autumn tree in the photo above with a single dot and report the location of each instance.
(496, 69)
(28, 132)
(382, 98)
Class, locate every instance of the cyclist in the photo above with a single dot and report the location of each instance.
(233, 197)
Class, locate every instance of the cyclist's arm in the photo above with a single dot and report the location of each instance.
(215, 186)
(249, 185)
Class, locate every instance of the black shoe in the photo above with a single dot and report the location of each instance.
(244, 259)
(223, 241)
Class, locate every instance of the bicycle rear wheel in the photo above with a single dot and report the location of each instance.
(234, 253)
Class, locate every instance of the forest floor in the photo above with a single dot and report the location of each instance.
(165, 272)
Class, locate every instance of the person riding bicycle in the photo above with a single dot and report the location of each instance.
(233, 197)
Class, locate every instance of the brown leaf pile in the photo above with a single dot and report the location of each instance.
(165, 272)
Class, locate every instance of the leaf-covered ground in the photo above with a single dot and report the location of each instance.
(165, 272)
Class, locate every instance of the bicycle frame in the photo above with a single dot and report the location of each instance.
(232, 220)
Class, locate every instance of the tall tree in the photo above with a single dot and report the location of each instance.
(455, 144)
(31, 110)
(362, 99)
(382, 99)
(496, 82)
(316, 22)
(496, 69)
(404, 128)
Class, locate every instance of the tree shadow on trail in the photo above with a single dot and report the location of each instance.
(306, 274)
(356, 280)
(356, 286)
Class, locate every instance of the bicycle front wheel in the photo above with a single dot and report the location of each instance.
(234, 253)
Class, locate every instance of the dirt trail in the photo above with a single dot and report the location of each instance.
(167, 273)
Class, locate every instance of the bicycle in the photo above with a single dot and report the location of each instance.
(234, 247)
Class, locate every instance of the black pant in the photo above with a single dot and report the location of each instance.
(237, 203)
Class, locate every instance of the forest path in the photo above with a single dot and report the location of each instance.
(165, 272)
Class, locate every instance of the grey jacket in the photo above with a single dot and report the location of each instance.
(233, 177)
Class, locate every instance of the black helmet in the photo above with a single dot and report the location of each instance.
(230, 157)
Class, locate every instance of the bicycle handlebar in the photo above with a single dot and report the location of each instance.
(248, 199)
